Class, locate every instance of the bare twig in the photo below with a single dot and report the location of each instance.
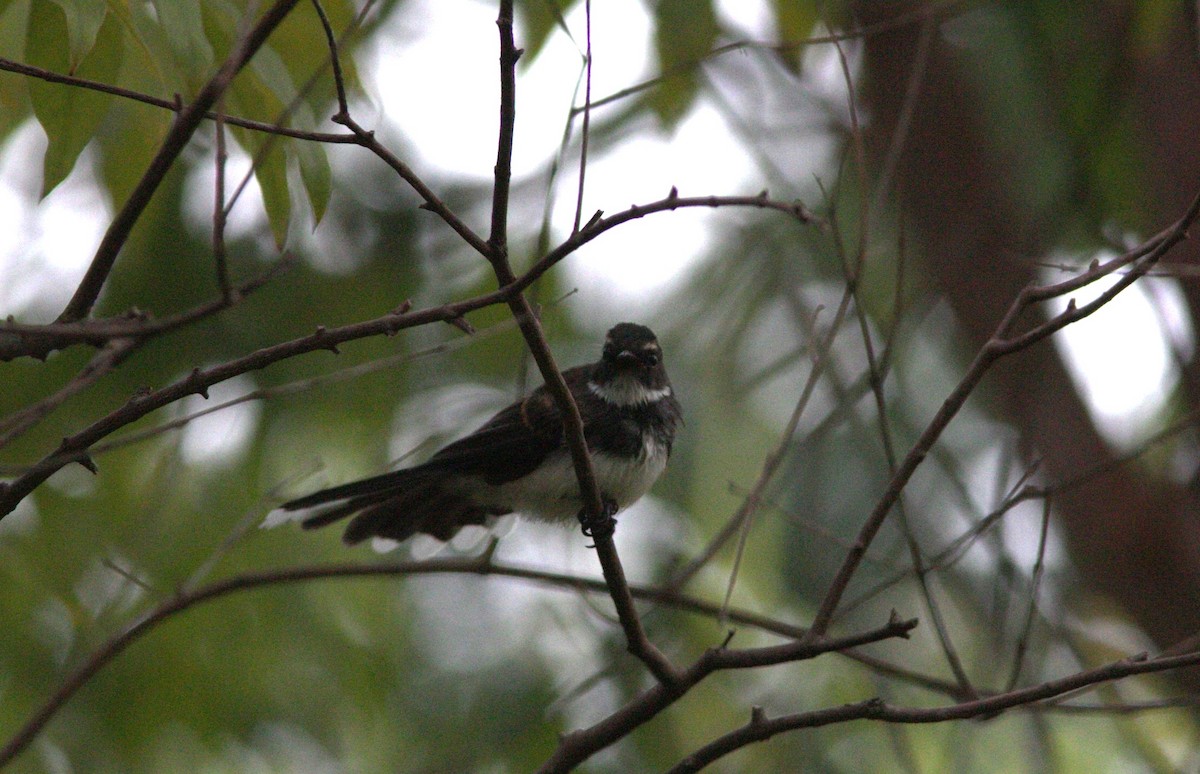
(761, 728)
(189, 598)
(638, 643)
(172, 145)
(1003, 342)
(928, 11)
(219, 211)
(120, 344)
(1035, 584)
(585, 132)
(167, 104)
(14, 425)
(577, 746)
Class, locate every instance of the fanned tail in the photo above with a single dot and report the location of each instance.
(395, 506)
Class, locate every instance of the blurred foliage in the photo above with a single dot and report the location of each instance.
(483, 674)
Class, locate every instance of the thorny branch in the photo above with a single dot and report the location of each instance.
(761, 727)
(188, 598)
(117, 337)
(173, 144)
(1004, 342)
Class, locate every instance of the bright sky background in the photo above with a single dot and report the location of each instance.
(1118, 356)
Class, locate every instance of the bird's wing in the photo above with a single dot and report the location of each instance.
(512, 443)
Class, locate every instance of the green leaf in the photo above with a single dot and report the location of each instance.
(272, 177)
(149, 65)
(794, 21)
(314, 171)
(83, 18)
(69, 115)
(685, 31)
(538, 18)
(183, 24)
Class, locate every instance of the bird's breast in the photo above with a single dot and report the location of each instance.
(551, 491)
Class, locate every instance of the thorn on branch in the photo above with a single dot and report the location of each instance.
(593, 220)
(88, 463)
(462, 324)
(319, 334)
(763, 195)
(902, 627)
(673, 195)
(425, 206)
(728, 638)
(201, 388)
(405, 305)
(758, 716)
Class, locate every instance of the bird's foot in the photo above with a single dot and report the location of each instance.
(603, 526)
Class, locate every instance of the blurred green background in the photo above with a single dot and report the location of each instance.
(997, 144)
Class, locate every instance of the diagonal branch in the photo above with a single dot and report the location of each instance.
(188, 598)
(115, 346)
(173, 144)
(1003, 342)
(638, 643)
(761, 728)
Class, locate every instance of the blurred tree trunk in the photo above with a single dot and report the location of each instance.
(1133, 537)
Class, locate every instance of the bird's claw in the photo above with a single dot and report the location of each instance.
(603, 526)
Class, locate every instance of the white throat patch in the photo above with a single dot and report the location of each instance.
(625, 391)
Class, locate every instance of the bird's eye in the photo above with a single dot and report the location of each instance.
(650, 358)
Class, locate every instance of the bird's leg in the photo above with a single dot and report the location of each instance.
(603, 526)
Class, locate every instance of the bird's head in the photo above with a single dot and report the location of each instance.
(631, 369)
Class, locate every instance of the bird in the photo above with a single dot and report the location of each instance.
(519, 460)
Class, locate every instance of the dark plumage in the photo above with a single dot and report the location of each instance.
(518, 460)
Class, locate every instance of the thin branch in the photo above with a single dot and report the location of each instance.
(335, 60)
(172, 145)
(299, 386)
(187, 599)
(74, 448)
(118, 347)
(97, 332)
(431, 201)
(771, 463)
(1035, 584)
(577, 746)
(638, 643)
(107, 358)
(1001, 344)
(587, 117)
(219, 211)
(900, 20)
(501, 187)
(750, 505)
(761, 728)
(20, 68)
(28, 340)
